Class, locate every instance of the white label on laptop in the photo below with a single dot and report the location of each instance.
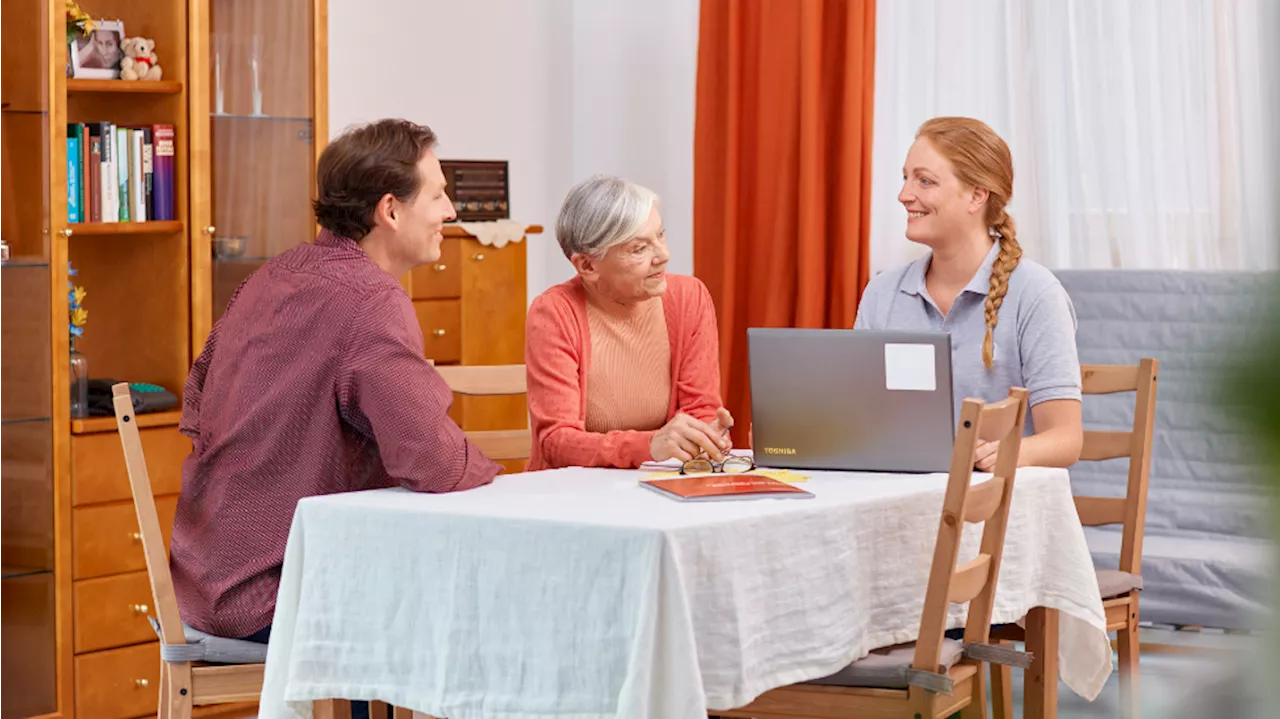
(909, 367)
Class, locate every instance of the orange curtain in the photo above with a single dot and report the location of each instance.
(782, 167)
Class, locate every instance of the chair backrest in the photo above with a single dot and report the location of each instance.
(975, 581)
(492, 381)
(166, 602)
(1130, 510)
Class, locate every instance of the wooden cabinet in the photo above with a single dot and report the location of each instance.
(117, 683)
(112, 612)
(472, 305)
(245, 87)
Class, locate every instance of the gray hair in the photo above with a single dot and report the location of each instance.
(601, 212)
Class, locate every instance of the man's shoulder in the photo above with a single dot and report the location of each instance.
(310, 275)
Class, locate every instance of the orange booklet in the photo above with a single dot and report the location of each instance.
(723, 486)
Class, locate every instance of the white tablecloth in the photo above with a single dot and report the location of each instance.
(577, 593)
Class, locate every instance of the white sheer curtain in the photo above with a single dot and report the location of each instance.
(1144, 132)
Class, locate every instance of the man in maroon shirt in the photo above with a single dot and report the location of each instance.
(314, 381)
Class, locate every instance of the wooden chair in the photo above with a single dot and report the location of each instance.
(183, 684)
(938, 677)
(1120, 587)
(492, 381)
(188, 683)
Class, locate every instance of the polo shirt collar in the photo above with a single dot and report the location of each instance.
(913, 280)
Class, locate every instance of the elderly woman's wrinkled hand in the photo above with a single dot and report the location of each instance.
(685, 438)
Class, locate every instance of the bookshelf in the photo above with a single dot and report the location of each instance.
(73, 644)
(162, 87)
(99, 229)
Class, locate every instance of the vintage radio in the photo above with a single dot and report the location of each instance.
(478, 189)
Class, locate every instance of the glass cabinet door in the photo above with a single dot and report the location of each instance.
(262, 134)
(27, 587)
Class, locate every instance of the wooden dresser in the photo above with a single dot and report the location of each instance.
(116, 654)
(472, 306)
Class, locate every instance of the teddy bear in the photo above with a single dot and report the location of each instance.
(140, 61)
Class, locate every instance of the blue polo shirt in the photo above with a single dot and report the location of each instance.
(1035, 338)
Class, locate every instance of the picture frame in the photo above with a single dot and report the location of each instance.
(97, 56)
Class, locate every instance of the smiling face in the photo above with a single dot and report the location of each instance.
(417, 224)
(632, 270)
(939, 205)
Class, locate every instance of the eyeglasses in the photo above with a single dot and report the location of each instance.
(732, 464)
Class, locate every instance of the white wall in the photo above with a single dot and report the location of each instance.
(635, 70)
(559, 88)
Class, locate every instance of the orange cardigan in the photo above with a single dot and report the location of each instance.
(558, 353)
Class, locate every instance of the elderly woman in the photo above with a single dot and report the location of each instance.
(623, 359)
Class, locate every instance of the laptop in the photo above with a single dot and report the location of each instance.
(852, 400)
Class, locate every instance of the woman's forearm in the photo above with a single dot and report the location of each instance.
(1057, 447)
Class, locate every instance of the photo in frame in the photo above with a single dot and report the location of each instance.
(97, 56)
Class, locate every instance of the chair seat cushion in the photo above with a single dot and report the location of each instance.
(204, 647)
(886, 668)
(1113, 582)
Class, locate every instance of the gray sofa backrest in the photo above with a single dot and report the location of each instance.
(1205, 479)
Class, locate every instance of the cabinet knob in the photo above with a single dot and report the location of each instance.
(65, 233)
(140, 609)
(209, 230)
(438, 333)
(440, 267)
(478, 257)
(135, 536)
(141, 683)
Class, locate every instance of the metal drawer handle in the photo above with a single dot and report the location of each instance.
(135, 536)
(140, 608)
(438, 333)
(141, 683)
(440, 267)
(478, 257)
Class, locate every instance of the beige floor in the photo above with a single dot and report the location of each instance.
(1211, 682)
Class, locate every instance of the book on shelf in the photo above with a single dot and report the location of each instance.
(73, 178)
(119, 173)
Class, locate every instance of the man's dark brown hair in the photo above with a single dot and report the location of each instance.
(364, 164)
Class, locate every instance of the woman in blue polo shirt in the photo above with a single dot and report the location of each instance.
(1011, 322)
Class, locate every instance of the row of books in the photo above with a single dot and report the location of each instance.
(119, 174)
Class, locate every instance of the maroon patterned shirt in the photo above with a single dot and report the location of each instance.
(312, 382)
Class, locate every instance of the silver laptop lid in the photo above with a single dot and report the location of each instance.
(854, 400)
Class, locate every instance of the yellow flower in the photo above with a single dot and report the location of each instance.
(80, 293)
(76, 15)
(79, 317)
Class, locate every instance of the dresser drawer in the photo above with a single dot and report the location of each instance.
(441, 279)
(105, 538)
(441, 322)
(97, 465)
(112, 612)
(118, 683)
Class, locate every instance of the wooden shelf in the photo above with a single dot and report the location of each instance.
(159, 227)
(159, 87)
(94, 425)
(18, 261)
(18, 572)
